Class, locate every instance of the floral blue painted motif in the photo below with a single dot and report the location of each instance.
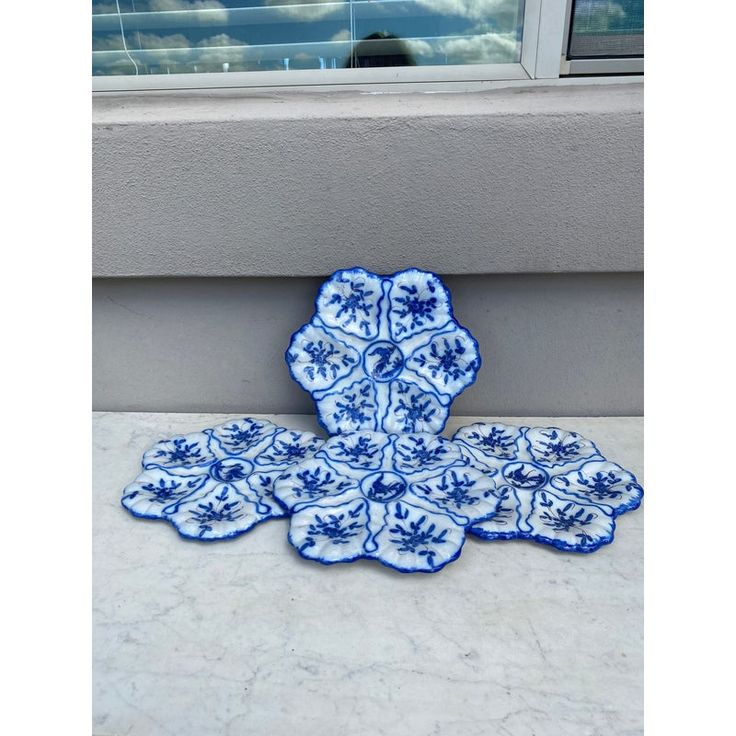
(404, 500)
(383, 353)
(222, 512)
(217, 483)
(553, 486)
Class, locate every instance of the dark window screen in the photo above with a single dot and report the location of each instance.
(606, 29)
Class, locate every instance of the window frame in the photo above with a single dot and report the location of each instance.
(544, 46)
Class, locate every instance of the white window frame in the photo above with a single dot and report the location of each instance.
(543, 48)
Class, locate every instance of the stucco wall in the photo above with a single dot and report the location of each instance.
(531, 197)
(541, 179)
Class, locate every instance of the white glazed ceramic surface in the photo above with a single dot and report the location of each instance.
(404, 500)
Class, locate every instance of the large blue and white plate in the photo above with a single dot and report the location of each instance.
(404, 500)
(383, 353)
(553, 486)
(217, 483)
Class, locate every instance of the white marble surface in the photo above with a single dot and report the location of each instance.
(245, 638)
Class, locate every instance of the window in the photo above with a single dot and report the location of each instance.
(606, 35)
(161, 44)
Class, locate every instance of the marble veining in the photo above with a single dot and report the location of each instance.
(511, 639)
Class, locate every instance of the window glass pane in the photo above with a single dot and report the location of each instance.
(607, 28)
(185, 36)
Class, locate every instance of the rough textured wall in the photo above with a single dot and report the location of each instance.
(544, 179)
(562, 344)
(284, 184)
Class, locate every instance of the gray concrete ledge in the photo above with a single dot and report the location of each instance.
(528, 179)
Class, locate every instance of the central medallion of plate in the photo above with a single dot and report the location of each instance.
(383, 487)
(383, 361)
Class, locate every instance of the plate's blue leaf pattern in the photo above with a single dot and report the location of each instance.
(288, 447)
(404, 500)
(553, 486)
(363, 449)
(351, 302)
(220, 514)
(318, 360)
(355, 407)
(180, 453)
(414, 539)
(462, 491)
(552, 447)
(383, 353)
(603, 483)
(240, 436)
(447, 361)
(312, 481)
(331, 534)
(217, 483)
(421, 452)
(419, 301)
(568, 525)
(155, 489)
(410, 409)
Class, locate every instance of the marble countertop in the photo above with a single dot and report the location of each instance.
(244, 637)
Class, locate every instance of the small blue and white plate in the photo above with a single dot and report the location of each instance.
(383, 353)
(217, 483)
(553, 486)
(404, 500)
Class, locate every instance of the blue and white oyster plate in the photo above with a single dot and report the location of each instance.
(554, 486)
(404, 500)
(217, 483)
(383, 353)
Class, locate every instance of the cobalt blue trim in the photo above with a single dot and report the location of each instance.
(328, 563)
(231, 535)
(562, 484)
(220, 507)
(526, 536)
(572, 516)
